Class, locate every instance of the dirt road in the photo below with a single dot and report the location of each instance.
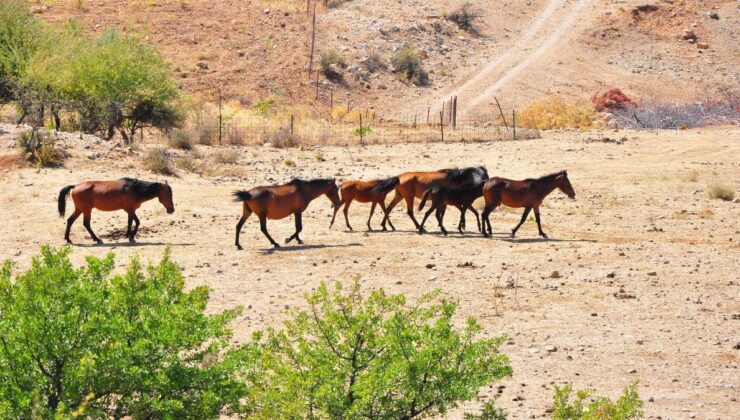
(639, 280)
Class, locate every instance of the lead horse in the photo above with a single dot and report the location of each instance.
(123, 194)
(280, 201)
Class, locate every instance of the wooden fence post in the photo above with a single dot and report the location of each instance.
(220, 118)
(442, 124)
(428, 110)
(313, 42)
(454, 113)
(291, 125)
(502, 114)
(361, 133)
(513, 121)
(317, 85)
(331, 100)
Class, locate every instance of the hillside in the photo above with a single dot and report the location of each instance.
(525, 49)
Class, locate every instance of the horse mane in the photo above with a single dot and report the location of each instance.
(142, 189)
(548, 177)
(461, 174)
(311, 181)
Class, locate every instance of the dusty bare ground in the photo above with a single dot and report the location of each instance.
(646, 284)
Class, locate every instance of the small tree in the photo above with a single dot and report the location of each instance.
(20, 35)
(408, 64)
(349, 357)
(465, 17)
(628, 406)
(132, 345)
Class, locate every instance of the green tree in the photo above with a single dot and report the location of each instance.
(20, 36)
(349, 357)
(112, 345)
(585, 407)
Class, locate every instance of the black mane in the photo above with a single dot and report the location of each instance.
(474, 173)
(548, 177)
(143, 190)
(311, 181)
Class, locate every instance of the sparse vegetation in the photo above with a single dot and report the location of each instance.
(289, 163)
(556, 113)
(408, 63)
(330, 61)
(186, 163)
(157, 160)
(179, 139)
(723, 109)
(628, 406)
(38, 148)
(227, 156)
(465, 17)
(263, 106)
(721, 191)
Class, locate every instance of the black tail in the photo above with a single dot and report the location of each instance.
(424, 198)
(62, 201)
(385, 185)
(242, 196)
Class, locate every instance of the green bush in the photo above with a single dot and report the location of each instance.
(20, 36)
(111, 345)
(628, 406)
(37, 147)
(375, 357)
(329, 60)
(408, 64)
(721, 191)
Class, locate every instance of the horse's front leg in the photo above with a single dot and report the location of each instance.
(537, 217)
(524, 218)
(70, 221)
(86, 222)
(477, 218)
(263, 228)
(298, 229)
(387, 217)
(385, 212)
(372, 210)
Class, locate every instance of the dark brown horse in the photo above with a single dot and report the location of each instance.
(365, 192)
(280, 201)
(528, 193)
(413, 184)
(461, 197)
(123, 194)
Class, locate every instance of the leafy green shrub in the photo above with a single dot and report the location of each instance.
(721, 191)
(628, 406)
(180, 139)
(20, 36)
(465, 17)
(158, 161)
(489, 412)
(263, 106)
(408, 64)
(108, 345)
(37, 147)
(329, 60)
(375, 357)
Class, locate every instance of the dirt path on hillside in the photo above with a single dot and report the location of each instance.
(540, 38)
(639, 280)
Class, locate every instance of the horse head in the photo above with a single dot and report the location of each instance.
(563, 184)
(165, 197)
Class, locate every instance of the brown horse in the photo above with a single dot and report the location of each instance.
(123, 194)
(528, 193)
(461, 197)
(280, 201)
(413, 184)
(365, 192)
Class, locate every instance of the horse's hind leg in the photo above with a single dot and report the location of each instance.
(346, 217)
(486, 221)
(424, 219)
(245, 215)
(440, 217)
(524, 218)
(537, 217)
(70, 221)
(263, 228)
(86, 216)
(386, 218)
(382, 207)
(298, 229)
(477, 218)
(372, 210)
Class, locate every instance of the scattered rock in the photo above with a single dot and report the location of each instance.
(551, 349)
(689, 35)
(652, 273)
(632, 371)
(713, 15)
(202, 64)
(555, 275)
(702, 45)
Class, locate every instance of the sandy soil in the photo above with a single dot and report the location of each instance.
(638, 281)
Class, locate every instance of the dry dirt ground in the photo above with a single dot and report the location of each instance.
(639, 280)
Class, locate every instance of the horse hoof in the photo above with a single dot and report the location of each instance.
(544, 236)
(300, 242)
(99, 242)
(276, 245)
(68, 241)
(239, 247)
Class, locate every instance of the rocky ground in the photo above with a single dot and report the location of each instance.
(638, 280)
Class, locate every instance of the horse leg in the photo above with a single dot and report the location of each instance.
(130, 221)
(386, 218)
(537, 217)
(70, 221)
(484, 216)
(86, 216)
(424, 219)
(298, 229)
(440, 214)
(346, 217)
(245, 215)
(382, 207)
(263, 228)
(372, 210)
(477, 218)
(461, 224)
(524, 217)
(334, 216)
(410, 212)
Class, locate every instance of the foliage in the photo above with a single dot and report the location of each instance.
(262, 107)
(465, 17)
(556, 113)
(20, 36)
(109, 345)
(489, 412)
(179, 139)
(408, 63)
(113, 82)
(628, 406)
(158, 161)
(227, 156)
(721, 191)
(37, 147)
(719, 110)
(363, 131)
(329, 60)
(375, 357)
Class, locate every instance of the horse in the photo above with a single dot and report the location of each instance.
(461, 197)
(413, 184)
(528, 193)
(280, 201)
(123, 194)
(365, 192)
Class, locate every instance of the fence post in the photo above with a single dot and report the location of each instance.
(291, 125)
(502, 113)
(428, 110)
(513, 121)
(442, 124)
(331, 100)
(361, 133)
(414, 120)
(313, 42)
(220, 118)
(317, 85)
(454, 113)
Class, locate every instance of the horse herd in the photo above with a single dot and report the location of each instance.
(446, 187)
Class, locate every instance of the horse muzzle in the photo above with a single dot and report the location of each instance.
(170, 211)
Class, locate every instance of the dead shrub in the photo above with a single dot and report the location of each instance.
(465, 18)
(330, 62)
(227, 156)
(556, 113)
(408, 63)
(39, 148)
(180, 139)
(722, 109)
(158, 161)
(281, 138)
(186, 163)
(721, 191)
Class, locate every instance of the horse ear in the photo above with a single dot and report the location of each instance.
(166, 182)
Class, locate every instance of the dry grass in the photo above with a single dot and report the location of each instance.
(158, 161)
(721, 191)
(227, 156)
(556, 113)
(180, 139)
(38, 148)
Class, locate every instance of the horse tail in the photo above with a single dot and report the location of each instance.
(62, 201)
(385, 185)
(242, 196)
(424, 198)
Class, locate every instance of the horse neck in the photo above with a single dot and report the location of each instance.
(313, 191)
(546, 186)
(153, 193)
